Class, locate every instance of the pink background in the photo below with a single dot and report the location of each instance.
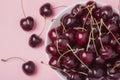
(14, 41)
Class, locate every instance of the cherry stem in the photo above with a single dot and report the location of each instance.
(79, 58)
(59, 6)
(79, 28)
(64, 29)
(56, 68)
(89, 40)
(5, 60)
(43, 26)
(110, 31)
(80, 72)
(115, 66)
(57, 42)
(99, 29)
(23, 8)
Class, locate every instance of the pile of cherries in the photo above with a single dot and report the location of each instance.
(86, 45)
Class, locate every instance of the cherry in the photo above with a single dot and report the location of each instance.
(99, 60)
(46, 10)
(54, 62)
(112, 26)
(115, 18)
(27, 23)
(52, 50)
(68, 20)
(91, 4)
(77, 10)
(97, 72)
(86, 57)
(62, 43)
(82, 68)
(29, 68)
(81, 37)
(35, 40)
(74, 76)
(96, 14)
(70, 35)
(86, 20)
(106, 12)
(107, 53)
(69, 61)
(53, 34)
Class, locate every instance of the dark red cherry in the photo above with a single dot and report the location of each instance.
(70, 33)
(107, 53)
(106, 12)
(46, 10)
(54, 62)
(35, 40)
(53, 34)
(115, 18)
(96, 14)
(99, 60)
(27, 23)
(112, 26)
(86, 57)
(68, 20)
(97, 72)
(81, 37)
(29, 68)
(82, 68)
(51, 49)
(74, 76)
(62, 43)
(77, 10)
(69, 61)
(91, 4)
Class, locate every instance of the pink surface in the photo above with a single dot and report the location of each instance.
(14, 41)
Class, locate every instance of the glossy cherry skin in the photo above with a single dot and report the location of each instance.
(97, 72)
(46, 10)
(74, 76)
(52, 50)
(27, 23)
(54, 62)
(53, 34)
(29, 68)
(106, 12)
(85, 20)
(91, 4)
(77, 10)
(107, 53)
(86, 57)
(69, 61)
(68, 20)
(35, 40)
(81, 37)
(99, 60)
(115, 18)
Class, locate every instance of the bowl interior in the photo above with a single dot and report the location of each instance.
(56, 23)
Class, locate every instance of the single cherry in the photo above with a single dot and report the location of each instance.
(81, 37)
(35, 40)
(52, 50)
(106, 12)
(28, 67)
(107, 53)
(27, 23)
(74, 76)
(46, 10)
(86, 56)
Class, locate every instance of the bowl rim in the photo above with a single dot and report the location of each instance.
(61, 14)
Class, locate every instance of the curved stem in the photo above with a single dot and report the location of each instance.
(43, 26)
(79, 28)
(23, 8)
(5, 60)
(79, 58)
(56, 68)
(89, 40)
(59, 6)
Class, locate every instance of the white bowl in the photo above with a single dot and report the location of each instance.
(56, 23)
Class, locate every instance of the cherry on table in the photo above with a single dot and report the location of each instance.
(46, 10)
(35, 40)
(27, 23)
